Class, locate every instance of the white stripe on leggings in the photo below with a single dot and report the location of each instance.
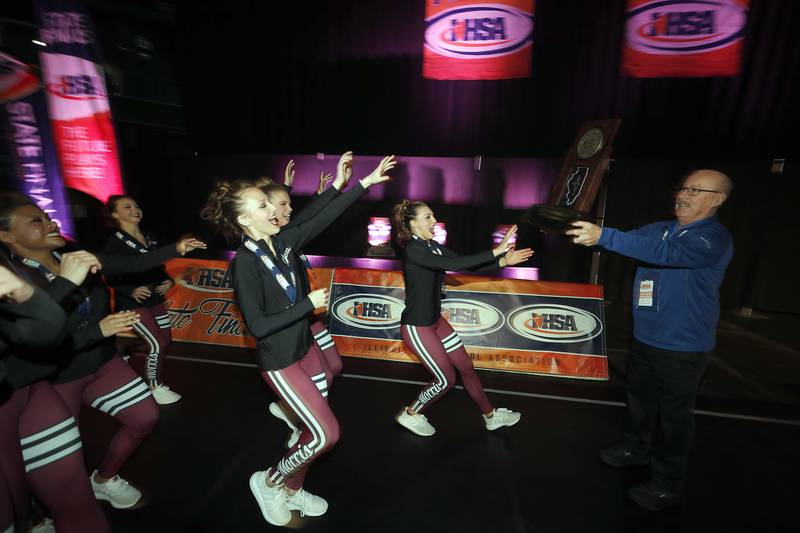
(318, 439)
(51, 444)
(115, 401)
(423, 353)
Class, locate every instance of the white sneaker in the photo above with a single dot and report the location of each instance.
(162, 395)
(277, 411)
(45, 526)
(271, 500)
(501, 417)
(306, 503)
(415, 423)
(116, 491)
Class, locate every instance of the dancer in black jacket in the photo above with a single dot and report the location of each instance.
(275, 308)
(141, 292)
(423, 328)
(90, 371)
(278, 196)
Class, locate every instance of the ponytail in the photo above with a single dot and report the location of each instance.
(401, 219)
(224, 206)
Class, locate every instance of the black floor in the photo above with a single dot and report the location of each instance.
(542, 475)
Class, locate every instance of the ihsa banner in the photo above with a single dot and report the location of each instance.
(472, 40)
(76, 94)
(683, 38)
(532, 327)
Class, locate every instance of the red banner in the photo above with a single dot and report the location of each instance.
(77, 99)
(683, 38)
(473, 40)
(16, 79)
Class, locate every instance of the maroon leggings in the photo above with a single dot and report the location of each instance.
(154, 328)
(300, 386)
(442, 353)
(40, 449)
(116, 390)
(331, 360)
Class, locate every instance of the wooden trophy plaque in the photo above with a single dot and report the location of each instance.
(579, 180)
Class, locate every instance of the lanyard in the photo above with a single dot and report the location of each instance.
(43, 270)
(305, 260)
(433, 246)
(85, 307)
(133, 243)
(288, 288)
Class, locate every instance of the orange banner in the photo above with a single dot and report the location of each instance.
(202, 305)
(511, 325)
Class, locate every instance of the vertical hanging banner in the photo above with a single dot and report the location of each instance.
(679, 38)
(77, 99)
(24, 118)
(473, 40)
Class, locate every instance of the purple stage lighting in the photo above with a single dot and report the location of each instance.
(500, 232)
(379, 231)
(440, 233)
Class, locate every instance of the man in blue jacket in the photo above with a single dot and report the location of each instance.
(675, 314)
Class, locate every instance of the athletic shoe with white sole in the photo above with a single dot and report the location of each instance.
(277, 411)
(306, 503)
(45, 526)
(116, 491)
(162, 395)
(271, 500)
(501, 417)
(415, 423)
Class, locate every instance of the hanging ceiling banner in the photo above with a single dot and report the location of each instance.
(674, 38)
(472, 40)
(77, 99)
(16, 79)
(23, 115)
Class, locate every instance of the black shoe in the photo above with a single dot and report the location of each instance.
(654, 497)
(619, 455)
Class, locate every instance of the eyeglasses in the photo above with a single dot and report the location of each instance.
(694, 191)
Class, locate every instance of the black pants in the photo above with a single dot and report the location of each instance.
(659, 420)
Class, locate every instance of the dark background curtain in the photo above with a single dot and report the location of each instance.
(297, 77)
(236, 80)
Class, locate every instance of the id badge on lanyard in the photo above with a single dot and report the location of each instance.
(647, 291)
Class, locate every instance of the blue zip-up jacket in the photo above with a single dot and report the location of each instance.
(686, 265)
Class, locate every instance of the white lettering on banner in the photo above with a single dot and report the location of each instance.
(65, 27)
(28, 143)
(83, 157)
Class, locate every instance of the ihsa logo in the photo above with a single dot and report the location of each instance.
(554, 323)
(369, 311)
(669, 27)
(206, 279)
(469, 317)
(478, 31)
